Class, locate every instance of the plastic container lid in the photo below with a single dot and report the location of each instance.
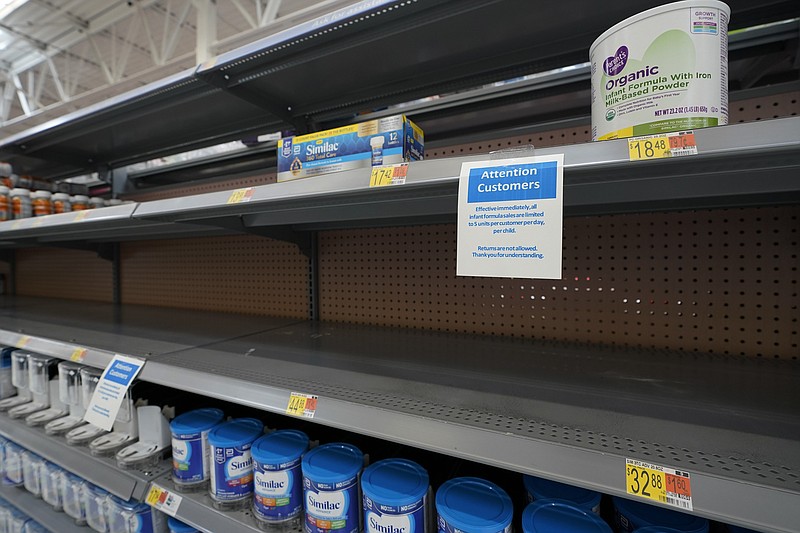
(61, 196)
(474, 505)
(395, 482)
(99, 491)
(134, 506)
(235, 433)
(196, 421)
(3, 189)
(280, 447)
(332, 463)
(20, 192)
(643, 514)
(41, 194)
(542, 489)
(559, 516)
(80, 198)
(176, 526)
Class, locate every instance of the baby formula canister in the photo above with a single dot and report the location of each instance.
(176, 526)
(630, 516)
(5, 204)
(330, 486)
(559, 516)
(394, 497)
(231, 483)
(190, 450)
(42, 203)
(20, 203)
(542, 489)
(474, 505)
(61, 203)
(133, 517)
(278, 478)
(663, 70)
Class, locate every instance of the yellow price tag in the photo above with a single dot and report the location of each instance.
(77, 355)
(388, 175)
(651, 147)
(23, 341)
(80, 215)
(241, 195)
(163, 500)
(658, 483)
(154, 496)
(304, 405)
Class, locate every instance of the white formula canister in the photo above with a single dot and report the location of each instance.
(663, 70)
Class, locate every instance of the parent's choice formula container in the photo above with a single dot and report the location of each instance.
(474, 505)
(190, 450)
(231, 483)
(665, 69)
(330, 488)
(559, 516)
(278, 478)
(630, 516)
(394, 497)
(538, 488)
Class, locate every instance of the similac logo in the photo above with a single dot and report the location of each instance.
(272, 483)
(389, 523)
(317, 149)
(180, 451)
(239, 466)
(326, 504)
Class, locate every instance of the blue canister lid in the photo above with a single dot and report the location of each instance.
(132, 505)
(474, 505)
(557, 516)
(279, 447)
(98, 491)
(395, 482)
(643, 514)
(542, 489)
(196, 421)
(332, 463)
(176, 526)
(235, 433)
(657, 529)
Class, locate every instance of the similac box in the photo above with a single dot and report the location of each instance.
(377, 142)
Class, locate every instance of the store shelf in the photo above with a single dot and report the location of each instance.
(743, 164)
(196, 509)
(39, 510)
(568, 412)
(126, 484)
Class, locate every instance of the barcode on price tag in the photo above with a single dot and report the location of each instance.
(304, 405)
(658, 483)
(163, 500)
(676, 144)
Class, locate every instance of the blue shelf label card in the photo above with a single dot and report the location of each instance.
(111, 389)
(510, 218)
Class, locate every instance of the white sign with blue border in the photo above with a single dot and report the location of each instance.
(510, 218)
(111, 390)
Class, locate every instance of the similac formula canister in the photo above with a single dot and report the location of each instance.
(190, 450)
(330, 488)
(541, 489)
(231, 485)
(394, 495)
(559, 516)
(474, 505)
(665, 69)
(630, 516)
(278, 478)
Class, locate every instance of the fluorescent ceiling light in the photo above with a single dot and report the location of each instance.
(8, 6)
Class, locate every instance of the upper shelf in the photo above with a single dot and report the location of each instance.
(360, 58)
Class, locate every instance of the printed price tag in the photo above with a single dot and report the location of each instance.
(80, 215)
(658, 483)
(241, 195)
(675, 144)
(304, 405)
(163, 500)
(77, 355)
(388, 175)
(23, 341)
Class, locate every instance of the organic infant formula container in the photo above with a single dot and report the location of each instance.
(42, 203)
(231, 483)
(278, 477)
(630, 516)
(665, 69)
(394, 493)
(79, 202)
(96, 202)
(61, 203)
(330, 488)
(559, 516)
(20, 203)
(5, 204)
(176, 526)
(190, 450)
(474, 505)
(540, 489)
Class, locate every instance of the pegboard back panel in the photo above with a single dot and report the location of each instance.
(722, 281)
(239, 274)
(62, 273)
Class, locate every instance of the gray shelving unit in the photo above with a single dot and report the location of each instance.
(126, 484)
(50, 519)
(567, 412)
